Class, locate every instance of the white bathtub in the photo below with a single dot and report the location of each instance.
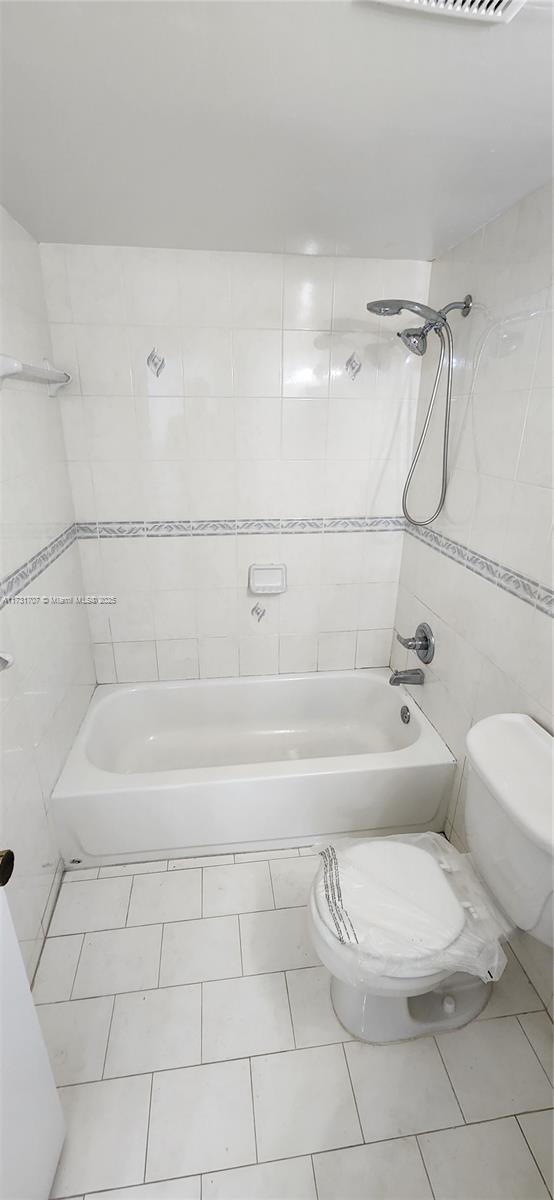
(204, 767)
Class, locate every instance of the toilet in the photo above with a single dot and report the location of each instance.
(410, 929)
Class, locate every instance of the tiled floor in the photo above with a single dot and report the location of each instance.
(192, 1036)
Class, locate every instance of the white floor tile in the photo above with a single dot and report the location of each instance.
(260, 855)
(167, 1189)
(313, 1016)
(493, 1069)
(538, 1128)
(401, 1088)
(119, 960)
(303, 1103)
(245, 1016)
(290, 1179)
(276, 941)
(105, 1142)
(95, 904)
(482, 1162)
(56, 969)
(142, 868)
(209, 860)
(384, 1171)
(76, 1036)
(540, 1031)
(155, 1031)
(195, 951)
(242, 888)
(512, 993)
(292, 880)
(201, 1120)
(169, 896)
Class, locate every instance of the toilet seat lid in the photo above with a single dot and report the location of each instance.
(397, 898)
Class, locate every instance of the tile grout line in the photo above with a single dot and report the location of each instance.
(271, 881)
(314, 1176)
(240, 951)
(157, 988)
(148, 1126)
(530, 1148)
(126, 926)
(454, 1092)
(421, 1155)
(343, 1044)
(176, 921)
(253, 1109)
(83, 936)
(108, 1038)
(517, 1016)
(290, 1008)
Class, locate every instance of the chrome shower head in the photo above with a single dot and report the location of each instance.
(415, 339)
(391, 308)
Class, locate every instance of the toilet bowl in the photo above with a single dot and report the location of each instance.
(409, 928)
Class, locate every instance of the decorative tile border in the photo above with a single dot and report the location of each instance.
(14, 583)
(166, 528)
(521, 586)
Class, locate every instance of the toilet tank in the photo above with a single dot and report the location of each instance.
(509, 817)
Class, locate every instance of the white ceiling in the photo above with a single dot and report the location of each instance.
(316, 127)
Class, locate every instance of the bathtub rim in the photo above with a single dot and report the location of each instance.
(83, 778)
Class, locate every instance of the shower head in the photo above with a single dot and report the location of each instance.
(415, 339)
(391, 308)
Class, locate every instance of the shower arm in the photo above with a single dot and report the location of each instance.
(463, 306)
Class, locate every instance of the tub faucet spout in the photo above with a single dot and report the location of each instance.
(414, 676)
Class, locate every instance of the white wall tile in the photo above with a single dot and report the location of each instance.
(336, 651)
(177, 659)
(308, 292)
(218, 657)
(305, 364)
(174, 614)
(207, 362)
(304, 429)
(95, 284)
(257, 362)
(259, 655)
(224, 432)
(373, 647)
(258, 427)
(135, 662)
(297, 654)
(104, 360)
(256, 290)
(205, 287)
(151, 281)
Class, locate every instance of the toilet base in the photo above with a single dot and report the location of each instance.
(394, 1018)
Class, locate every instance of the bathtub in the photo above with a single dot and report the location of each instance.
(164, 770)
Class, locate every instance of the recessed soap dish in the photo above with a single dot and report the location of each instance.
(267, 579)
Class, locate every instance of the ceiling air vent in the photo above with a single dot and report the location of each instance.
(494, 11)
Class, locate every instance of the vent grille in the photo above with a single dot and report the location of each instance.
(494, 11)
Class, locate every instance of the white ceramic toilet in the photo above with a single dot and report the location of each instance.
(509, 823)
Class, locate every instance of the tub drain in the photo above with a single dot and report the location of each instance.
(405, 714)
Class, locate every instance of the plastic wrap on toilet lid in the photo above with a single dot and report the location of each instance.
(389, 898)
